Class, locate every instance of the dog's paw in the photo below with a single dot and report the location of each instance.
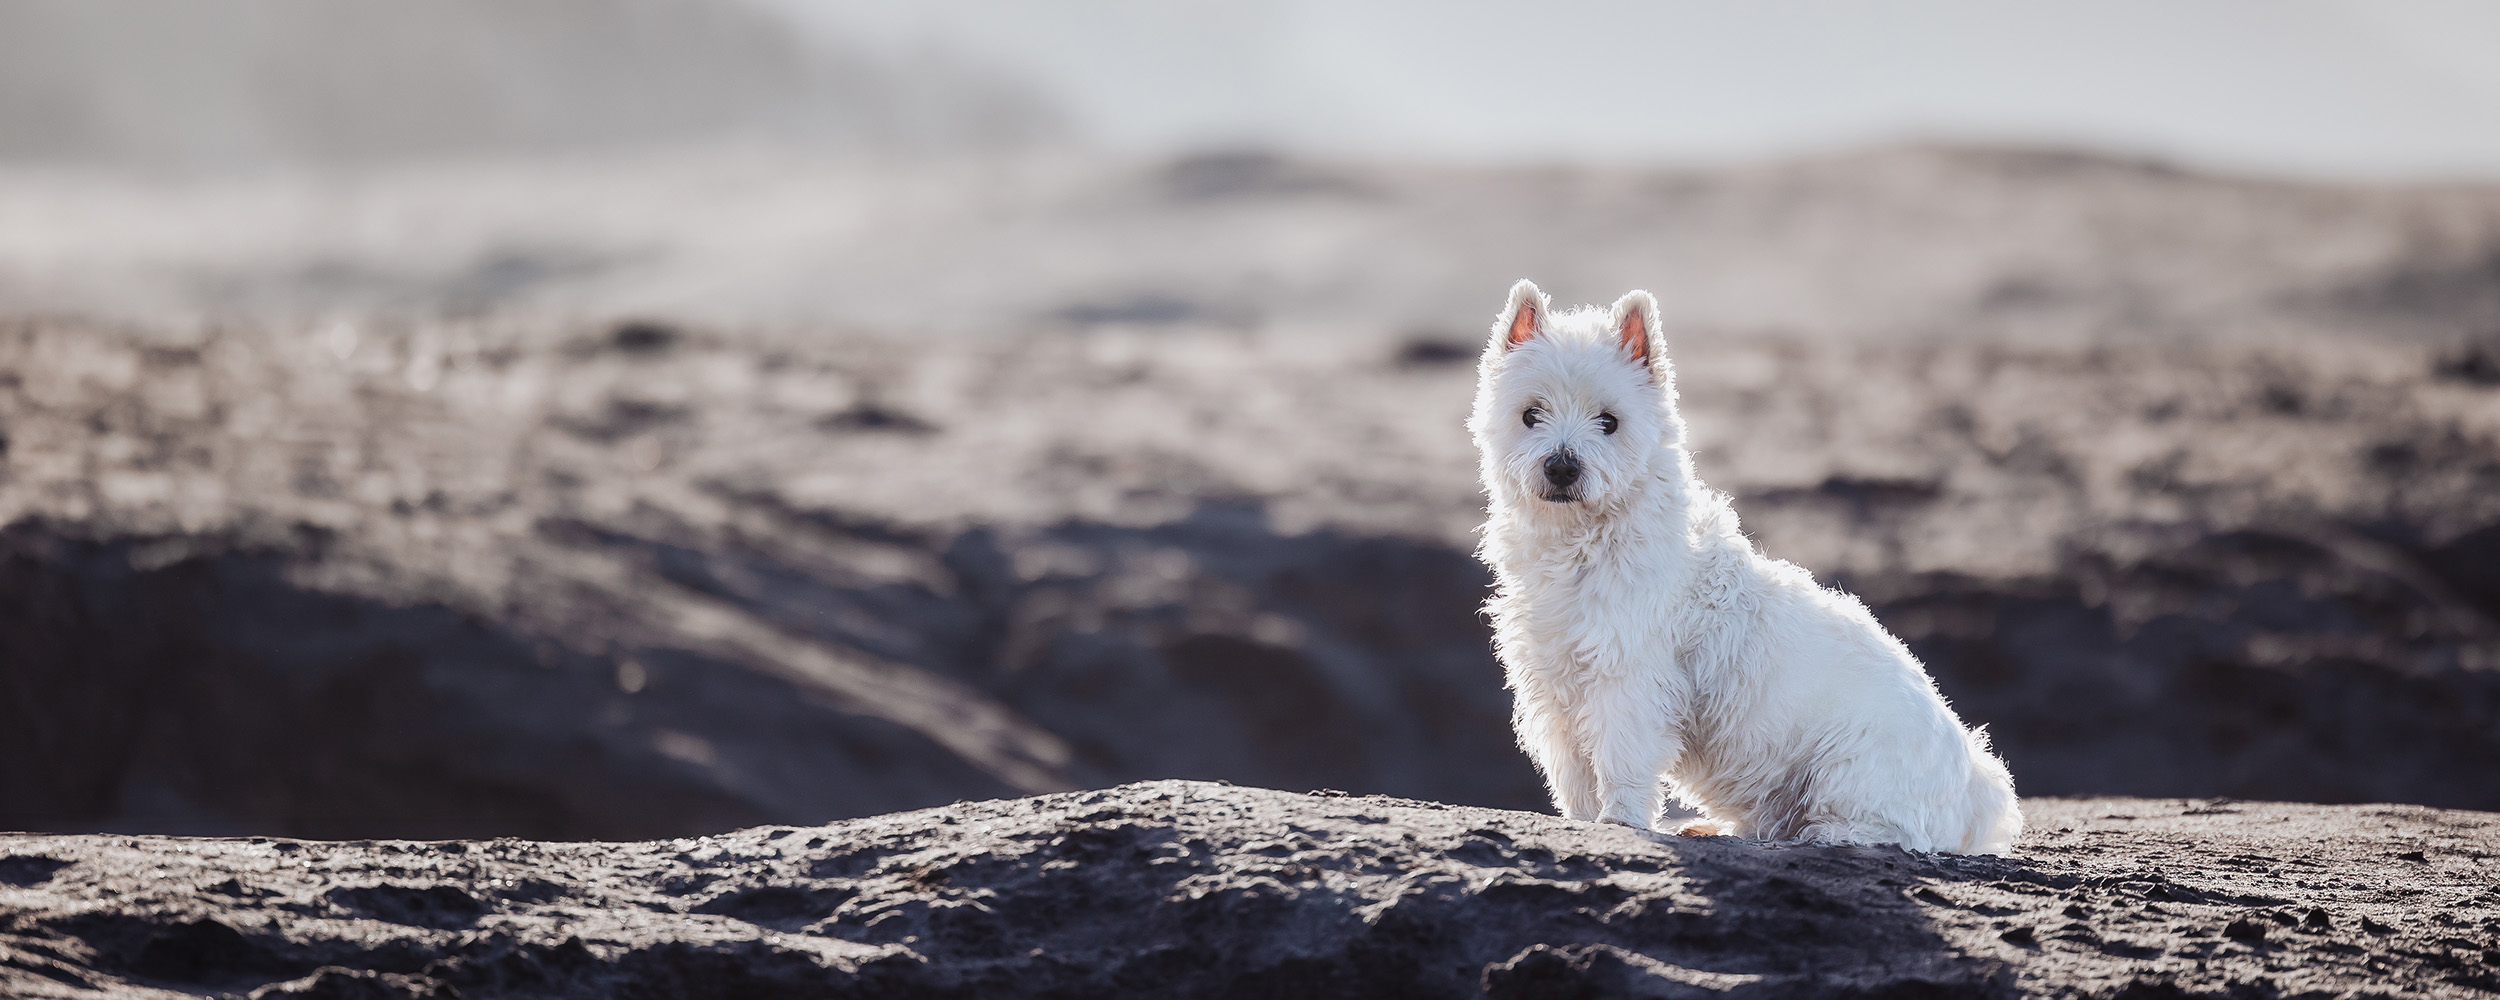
(1620, 821)
(1702, 828)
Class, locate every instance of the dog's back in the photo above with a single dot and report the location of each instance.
(1822, 726)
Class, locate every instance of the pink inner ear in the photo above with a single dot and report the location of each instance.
(1635, 335)
(1523, 324)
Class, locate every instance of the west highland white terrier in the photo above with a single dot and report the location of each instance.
(1646, 640)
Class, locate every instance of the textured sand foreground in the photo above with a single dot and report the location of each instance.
(1192, 889)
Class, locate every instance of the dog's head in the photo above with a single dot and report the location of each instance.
(1572, 408)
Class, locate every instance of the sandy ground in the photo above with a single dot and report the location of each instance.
(1194, 889)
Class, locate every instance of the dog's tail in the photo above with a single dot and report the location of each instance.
(1996, 820)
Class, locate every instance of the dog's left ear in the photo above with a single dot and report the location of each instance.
(1523, 315)
(1636, 326)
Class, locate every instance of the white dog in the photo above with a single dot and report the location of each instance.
(1645, 638)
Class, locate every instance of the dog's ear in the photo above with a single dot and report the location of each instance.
(1523, 317)
(1636, 326)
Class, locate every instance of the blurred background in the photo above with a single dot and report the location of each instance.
(631, 418)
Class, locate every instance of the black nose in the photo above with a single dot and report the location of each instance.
(1562, 470)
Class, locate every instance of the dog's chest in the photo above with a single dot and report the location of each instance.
(1598, 614)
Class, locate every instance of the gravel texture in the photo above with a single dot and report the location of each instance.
(1178, 888)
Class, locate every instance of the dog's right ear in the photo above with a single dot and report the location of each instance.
(1636, 326)
(1523, 317)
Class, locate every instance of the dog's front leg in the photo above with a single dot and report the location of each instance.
(1635, 739)
(1545, 732)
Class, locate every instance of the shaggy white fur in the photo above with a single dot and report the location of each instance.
(1645, 639)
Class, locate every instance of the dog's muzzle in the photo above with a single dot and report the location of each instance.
(1562, 474)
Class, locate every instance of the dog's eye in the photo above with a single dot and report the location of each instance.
(1533, 415)
(1606, 422)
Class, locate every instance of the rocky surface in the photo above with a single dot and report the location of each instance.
(1191, 889)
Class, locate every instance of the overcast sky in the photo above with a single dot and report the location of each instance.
(2379, 88)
